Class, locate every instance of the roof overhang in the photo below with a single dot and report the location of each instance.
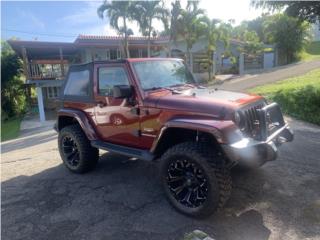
(43, 50)
(51, 50)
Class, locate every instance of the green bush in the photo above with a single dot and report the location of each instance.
(13, 97)
(298, 96)
(302, 103)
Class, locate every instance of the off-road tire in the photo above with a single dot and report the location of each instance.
(88, 156)
(218, 177)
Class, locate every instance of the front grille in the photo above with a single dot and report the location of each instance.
(260, 121)
(252, 121)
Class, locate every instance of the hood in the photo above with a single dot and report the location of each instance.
(218, 103)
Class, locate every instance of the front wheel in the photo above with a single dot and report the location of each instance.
(76, 151)
(194, 179)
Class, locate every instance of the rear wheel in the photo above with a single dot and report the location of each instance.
(194, 179)
(76, 151)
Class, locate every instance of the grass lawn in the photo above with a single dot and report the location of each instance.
(297, 96)
(311, 52)
(10, 129)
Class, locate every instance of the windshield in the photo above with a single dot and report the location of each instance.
(162, 74)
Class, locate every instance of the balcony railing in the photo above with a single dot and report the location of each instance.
(48, 71)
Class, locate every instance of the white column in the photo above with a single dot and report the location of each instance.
(214, 66)
(40, 104)
(276, 56)
(241, 64)
(191, 62)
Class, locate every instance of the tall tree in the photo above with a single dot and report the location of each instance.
(251, 43)
(288, 33)
(118, 11)
(304, 10)
(171, 23)
(256, 25)
(215, 31)
(144, 13)
(191, 25)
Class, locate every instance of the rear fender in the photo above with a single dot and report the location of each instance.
(81, 118)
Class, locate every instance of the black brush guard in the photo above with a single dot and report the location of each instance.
(271, 122)
(272, 132)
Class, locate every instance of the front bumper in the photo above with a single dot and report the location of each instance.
(254, 152)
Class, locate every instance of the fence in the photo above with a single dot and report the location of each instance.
(255, 63)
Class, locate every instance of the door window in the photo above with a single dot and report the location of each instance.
(108, 77)
(78, 83)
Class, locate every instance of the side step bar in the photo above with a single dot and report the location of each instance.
(127, 151)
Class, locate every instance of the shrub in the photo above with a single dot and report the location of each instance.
(302, 103)
(13, 98)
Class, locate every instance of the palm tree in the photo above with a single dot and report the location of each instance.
(144, 13)
(215, 31)
(170, 22)
(190, 25)
(118, 11)
(124, 44)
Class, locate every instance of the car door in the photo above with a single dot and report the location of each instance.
(116, 119)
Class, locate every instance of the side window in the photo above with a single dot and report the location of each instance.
(78, 83)
(109, 77)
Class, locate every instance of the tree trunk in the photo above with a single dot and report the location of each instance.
(171, 41)
(149, 38)
(189, 59)
(170, 47)
(210, 65)
(127, 53)
(149, 50)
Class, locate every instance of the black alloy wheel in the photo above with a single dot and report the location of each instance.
(188, 183)
(195, 179)
(75, 149)
(70, 150)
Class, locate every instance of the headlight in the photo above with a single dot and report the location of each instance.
(239, 120)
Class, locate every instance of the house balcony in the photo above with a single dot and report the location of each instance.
(47, 70)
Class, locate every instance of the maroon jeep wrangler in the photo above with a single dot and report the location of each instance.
(153, 109)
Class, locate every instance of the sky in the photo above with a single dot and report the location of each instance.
(63, 21)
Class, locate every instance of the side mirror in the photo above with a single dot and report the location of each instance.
(122, 91)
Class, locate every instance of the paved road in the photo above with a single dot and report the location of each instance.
(122, 199)
(250, 81)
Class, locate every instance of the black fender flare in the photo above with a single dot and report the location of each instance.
(217, 128)
(81, 118)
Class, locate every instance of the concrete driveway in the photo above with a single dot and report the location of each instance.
(122, 199)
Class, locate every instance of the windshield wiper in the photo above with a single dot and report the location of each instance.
(182, 85)
(165, 88)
